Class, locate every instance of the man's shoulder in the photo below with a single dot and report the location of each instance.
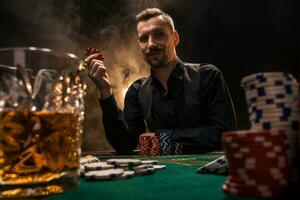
(137, 83)
(201, 67)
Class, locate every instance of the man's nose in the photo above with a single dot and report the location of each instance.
(152, 41)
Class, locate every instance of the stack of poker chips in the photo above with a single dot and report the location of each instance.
(91, 168)
(258, 163)
(159, 144)
(149, 145)
(272, 101)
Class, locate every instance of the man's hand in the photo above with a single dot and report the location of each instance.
(97, 72)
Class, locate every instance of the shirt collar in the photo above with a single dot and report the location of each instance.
(176, 73)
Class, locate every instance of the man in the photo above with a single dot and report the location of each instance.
(179, 102)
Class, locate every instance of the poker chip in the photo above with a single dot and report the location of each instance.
(265, 76)
(270, 82)
(267, 91)
(254, 108)
(140, 167)
(272, 118)
(293, 125)
(124, 162)
(88, 159)
(159, 167)
(103, 174)
(149, 162)
(90, 51)
(155, 146)
(145, 171)
(178, 148)
(82, 170)
(125, 175)
(258, 164)
(273, 97)
(97, 166)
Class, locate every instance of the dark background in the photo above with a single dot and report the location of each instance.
(240, 37)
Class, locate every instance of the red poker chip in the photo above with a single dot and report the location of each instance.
(155, 146)
(149, 145)
(91, 51)
(257, 161)
(266, 189)
(259, 191)
(144, 145)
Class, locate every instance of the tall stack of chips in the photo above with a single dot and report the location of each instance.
(260, 159)
(149, 145)
(272, 99)
(258, 163)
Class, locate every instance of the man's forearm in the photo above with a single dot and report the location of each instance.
(209, 138)
(116, 130)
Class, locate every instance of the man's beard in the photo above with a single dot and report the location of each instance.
(159, 62)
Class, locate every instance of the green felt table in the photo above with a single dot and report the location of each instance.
(178, 181)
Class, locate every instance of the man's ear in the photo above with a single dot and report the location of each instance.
(176, 38)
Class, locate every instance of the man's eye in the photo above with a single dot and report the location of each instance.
(143, 39)
(158, 34)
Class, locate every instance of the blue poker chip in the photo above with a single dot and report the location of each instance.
(265, 91)
(284, 111)
(292, 125)
(270, 98)
(273, 84)
(263, 77)
(266, 115)
(273, 119)
(271, 101)
(281, 105)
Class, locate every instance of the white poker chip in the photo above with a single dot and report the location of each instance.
(123, 166)
(88, 159)
(97, 166)
(145, 171)
(125, 175)
(140, 167)
(124, 161)
(82, 170)
(159, 167)
(148, 162)
(103, 174)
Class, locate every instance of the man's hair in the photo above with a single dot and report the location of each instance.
(153, 12)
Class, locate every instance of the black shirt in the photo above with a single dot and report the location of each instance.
(123, 128)
(167, 105)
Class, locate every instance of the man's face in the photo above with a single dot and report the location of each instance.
(157, 42)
